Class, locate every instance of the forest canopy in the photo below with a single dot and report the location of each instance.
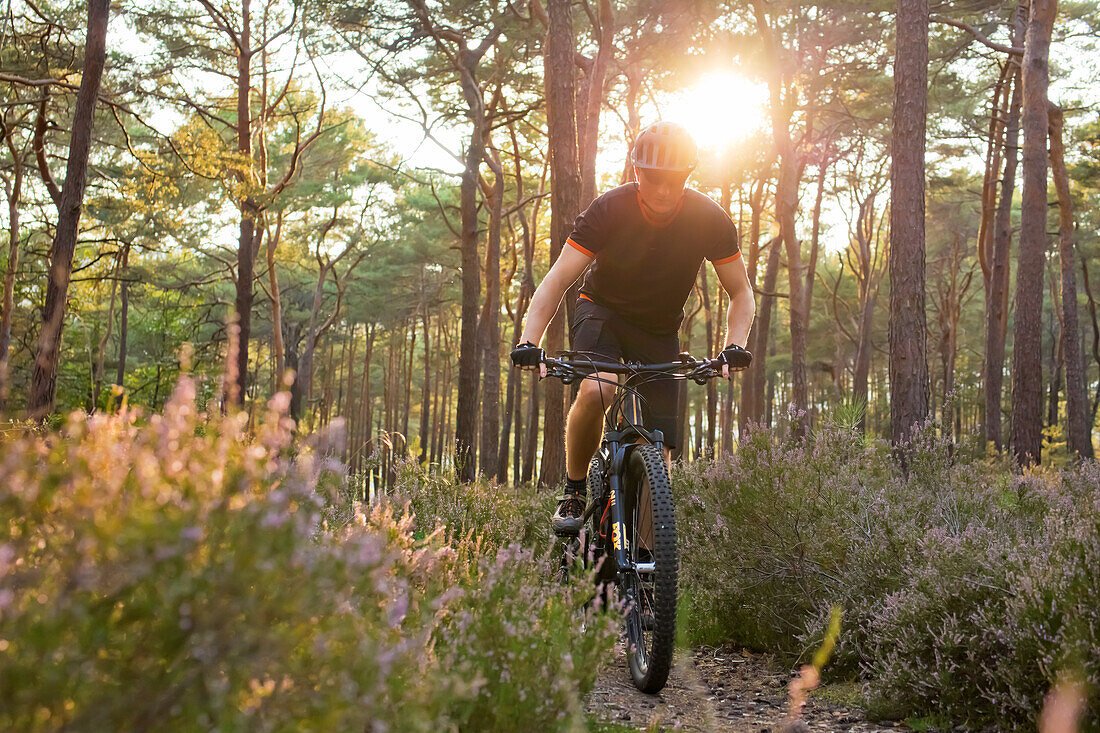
(355, 200)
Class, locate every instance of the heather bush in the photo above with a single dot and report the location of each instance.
(495, 513)
(966, 589)
(178, 573)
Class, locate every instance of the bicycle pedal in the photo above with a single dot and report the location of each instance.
(566, 533)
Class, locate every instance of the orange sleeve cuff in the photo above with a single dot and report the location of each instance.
(579, 248)
(724, 260)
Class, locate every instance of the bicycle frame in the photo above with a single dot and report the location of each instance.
(617, 442)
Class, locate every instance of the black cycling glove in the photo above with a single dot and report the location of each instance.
(527, 355)
(735, 356)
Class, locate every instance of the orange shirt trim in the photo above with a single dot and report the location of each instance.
(579, 248)
(724, 260)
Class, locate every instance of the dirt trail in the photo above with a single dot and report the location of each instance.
(720, 690)
(684, 704)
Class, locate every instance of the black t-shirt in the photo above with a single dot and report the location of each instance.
(644, 271)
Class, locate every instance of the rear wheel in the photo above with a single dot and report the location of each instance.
(649, 594)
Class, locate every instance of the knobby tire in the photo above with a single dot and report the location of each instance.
(649, 652)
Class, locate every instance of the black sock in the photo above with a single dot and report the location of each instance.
(576, 486)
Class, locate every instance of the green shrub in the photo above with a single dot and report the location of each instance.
(497, 514)
(177, 574)
(966, 589)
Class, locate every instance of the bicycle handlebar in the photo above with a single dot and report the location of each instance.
(570, 368)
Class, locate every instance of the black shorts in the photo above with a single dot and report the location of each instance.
(601, 333)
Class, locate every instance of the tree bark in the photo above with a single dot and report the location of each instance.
(276, 304)
(588, 133)
(565, 196)
(1027, 368)
(908, 328)
(751, 407)
(123, 320)
(249, 208)
(712, 386)
(1077, 407)
(490, 326)
(14, 191)
(425, 392)
(47, 355)
(999, 266)
(756, 376)
(786, 209)
(466, 417)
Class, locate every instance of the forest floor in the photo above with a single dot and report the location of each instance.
(722, 690)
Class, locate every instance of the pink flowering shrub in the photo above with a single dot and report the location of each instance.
(966, 589)
(495, 513)
(178, 573)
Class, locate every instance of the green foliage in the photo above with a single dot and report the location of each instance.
(966, 590)
(496, 514)
(178, 574)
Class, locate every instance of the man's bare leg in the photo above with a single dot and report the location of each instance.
(584, 425)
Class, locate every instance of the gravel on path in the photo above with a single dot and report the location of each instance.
(724, 690)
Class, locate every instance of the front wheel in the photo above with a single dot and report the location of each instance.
(650, 593)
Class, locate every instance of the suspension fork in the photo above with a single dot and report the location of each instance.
(620, 543)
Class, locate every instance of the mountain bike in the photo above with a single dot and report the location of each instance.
(629, 533)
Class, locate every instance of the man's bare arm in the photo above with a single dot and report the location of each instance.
(742, 307)
(571, 263)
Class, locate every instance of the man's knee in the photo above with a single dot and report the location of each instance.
(594, 395)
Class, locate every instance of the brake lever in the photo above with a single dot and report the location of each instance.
(706, 370)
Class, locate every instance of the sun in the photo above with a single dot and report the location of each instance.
(720, 110)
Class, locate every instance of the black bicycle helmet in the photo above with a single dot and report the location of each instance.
(665, 146)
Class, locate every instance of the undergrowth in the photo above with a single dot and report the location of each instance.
(966, 588)
(177, 572)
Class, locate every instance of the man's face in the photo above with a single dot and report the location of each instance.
(661, 190)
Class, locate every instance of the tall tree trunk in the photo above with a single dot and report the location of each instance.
(756, 377)
(1077, 407)
(468, 351)
(531, 441)
(751, 408)
(250, 209)
(304, 373)
(712, 386)
(14, 191)
(48, 351)
(862, 366)
(565, 194)
(908, 328)
(1027, 367)
(811, 262)
(1095, 318)
(1054, 363)
(588, 132)
(490, 326)
(997, 300)
(123, 320)
(348, 413)
(101, 348)
(276, 304)
(786, 207)
(425, 392)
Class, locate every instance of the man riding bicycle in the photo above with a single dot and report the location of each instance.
(642, 244)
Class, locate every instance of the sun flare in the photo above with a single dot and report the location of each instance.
(721, 109)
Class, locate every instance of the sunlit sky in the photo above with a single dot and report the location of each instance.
(720, 110)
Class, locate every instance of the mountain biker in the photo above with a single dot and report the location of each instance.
(642, 244)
